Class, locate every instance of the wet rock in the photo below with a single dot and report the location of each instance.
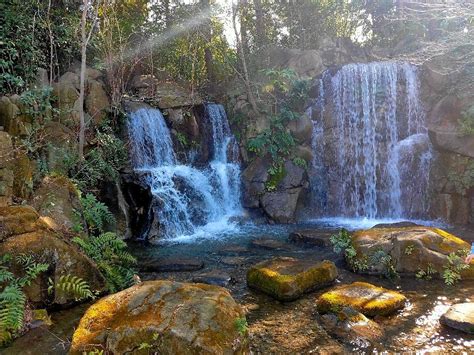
(286, 279)
(58, 199)
(280, 206)
(396, 225)
(24, 232)
(352, 327)
(171, 264)
(217, 278)
(302, 129)
(171, 317)
(460, 316)
(269, 244)
(311, 238)
(411, 249)
(366, 298)
(234, 260)
(234, 249)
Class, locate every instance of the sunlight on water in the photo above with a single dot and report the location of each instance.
(366, 223)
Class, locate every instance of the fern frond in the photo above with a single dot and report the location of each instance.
(75, 286)
(12, 308)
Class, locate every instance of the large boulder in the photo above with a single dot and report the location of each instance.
(9, 113)
(170, 317)
(301, 129)
(287, 279)
(460, 316)
(67, 94)
(23, 171)
(97, 102)
(410, 249)
(368, 299)
(58, 198)
(6, 169)
(24, 232)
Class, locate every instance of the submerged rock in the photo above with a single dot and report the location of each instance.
(171, 264)
(460, 316)
(368, 299)
(352, 326)
(311, 238)
(215, 277)
(170, 317)
(411, 249)
(269, 244)
(286, 279)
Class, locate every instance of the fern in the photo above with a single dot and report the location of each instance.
(96, 214)
(12, 298)
(71, 285)
(112, 258)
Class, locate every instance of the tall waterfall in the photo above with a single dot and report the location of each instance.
(371, 149)
(187, 199)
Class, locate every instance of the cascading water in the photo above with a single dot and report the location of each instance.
(370, 145)
(187, 200)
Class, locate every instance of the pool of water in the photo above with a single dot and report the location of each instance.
(291, 327)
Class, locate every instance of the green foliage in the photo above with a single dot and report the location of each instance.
(426, 274)
(463, 180)
(409, 249)
(73, 286)
(12, 298)
(342, 243)
(300, 162)
(112, 258)
(380, 257)
(26, 43)
(241, 325)
(466, 123)
(96, 214)
(182, 139)
(454, 267)
(102, 163)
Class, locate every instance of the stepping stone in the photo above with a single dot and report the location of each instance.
(287, 279)
(352, 327)
(213, 278)
(269, 244)
(368, 299)
(171, 264)
(311, 238)
(234, 260)
(460, 316)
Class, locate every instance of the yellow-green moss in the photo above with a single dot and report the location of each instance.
(276, 278)
(372, 300)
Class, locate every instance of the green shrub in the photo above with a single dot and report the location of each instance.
(112, 258)
(454, 267)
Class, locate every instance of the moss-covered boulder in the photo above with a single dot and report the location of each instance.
(411, 249)
(286, 279)
(58, 199)
(368, 299)
(23, 231)
(6, 169)
(169, 317)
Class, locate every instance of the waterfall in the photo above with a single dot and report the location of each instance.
(187, 199)
(370, 145)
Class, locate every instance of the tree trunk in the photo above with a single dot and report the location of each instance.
(82, 124)
(208, 57)
(259, 24)
(244, 14)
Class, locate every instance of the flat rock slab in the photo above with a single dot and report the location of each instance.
(368, 299)
(460, 316)
(311, 238)
(234, 249)
(269, 244)
(213, 278)
(351, 327)
(171, 264)
(234, 260)
(286, 279)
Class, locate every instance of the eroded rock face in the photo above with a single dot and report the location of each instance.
(460, 316)
(368, 299)
(24, 232)
(286, 279)
(58, 199)
(172, 317)
(412, 249)
(280, 205)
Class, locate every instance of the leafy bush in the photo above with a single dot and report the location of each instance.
(12, 297)
(342, 243)
(454, 267)
(112, 258)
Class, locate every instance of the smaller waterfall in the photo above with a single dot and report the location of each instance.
(187, 199)
(370, 144)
